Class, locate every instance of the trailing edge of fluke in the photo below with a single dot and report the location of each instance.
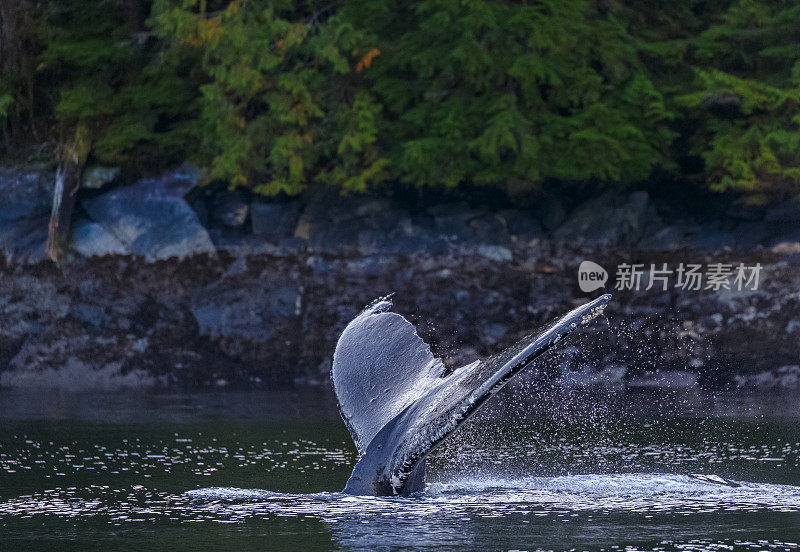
(399, 402)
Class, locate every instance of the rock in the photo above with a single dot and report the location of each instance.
(459, 223)
(785, 376)
(379, 214)
(723, 103)
(750, 234)
(334, 224)
(496, 253)
(76, 375)
(230, 208)
(494, 333)
(710, 240)
(277, 318)
(668, 379)
(247, 313)
(151, 218)
(373, 242)
(783, 221)
(489, 228)
(451, 220)
(274, 221)
(27, 305)
(95, 178)
(788, 234)
(520, 192)
(239, 266)
(243, 245)
(586, 376)
(610, 218)
(701, 238)
(784, 213)
(786, 248)
(744, 211)
(551, 212)
(24, 213)
(201, 209)
(522, 223)
(334, 238)
(668, 238)
(93, 315)
(409, 238)
(91, 239)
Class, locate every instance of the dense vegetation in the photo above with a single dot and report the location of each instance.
(278, 95)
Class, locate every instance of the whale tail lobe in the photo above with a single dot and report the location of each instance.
(399, 402)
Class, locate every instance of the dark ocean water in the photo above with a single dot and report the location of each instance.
(261, 471)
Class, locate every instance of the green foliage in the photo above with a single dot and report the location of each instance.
(111, 82)
(486, 91)
(276, 106)
(730, 71)
(5, 104)
(751, 63)
(278, 95)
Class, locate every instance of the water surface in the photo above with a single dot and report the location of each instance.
(262, 471)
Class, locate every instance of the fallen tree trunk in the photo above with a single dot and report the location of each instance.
(67, 184)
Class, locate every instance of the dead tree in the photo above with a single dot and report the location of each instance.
(67, 184)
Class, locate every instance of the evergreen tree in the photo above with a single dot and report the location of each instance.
(279, 95)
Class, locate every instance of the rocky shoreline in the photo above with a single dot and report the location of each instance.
(171, 285)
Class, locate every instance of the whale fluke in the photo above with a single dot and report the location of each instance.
(399, 402)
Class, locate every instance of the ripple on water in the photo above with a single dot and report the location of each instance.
(541, 496)
(477, 500)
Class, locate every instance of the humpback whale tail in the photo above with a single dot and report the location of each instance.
(399, 402)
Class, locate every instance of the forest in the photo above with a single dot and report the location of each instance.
(278, 96)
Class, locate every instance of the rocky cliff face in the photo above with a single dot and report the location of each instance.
(221, 289)
(273, 320)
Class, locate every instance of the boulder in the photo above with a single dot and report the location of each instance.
(451, 220)
(701, 238)
(789, 233)
(378, 213)
(708, 239)
(489, 228)
(151, 218)
(496, 253)
(457, 222)
(744, 211)
(750, 234)
(668, 238)
(230, 208)
(416, 235)
(522, 223)
(95, 178)
(91, 239)
(611, 218)
(335, 224)
(551, 212)
(785, 376)
(274, 221)
(783, 213)
(786, 248)
(24, 213)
